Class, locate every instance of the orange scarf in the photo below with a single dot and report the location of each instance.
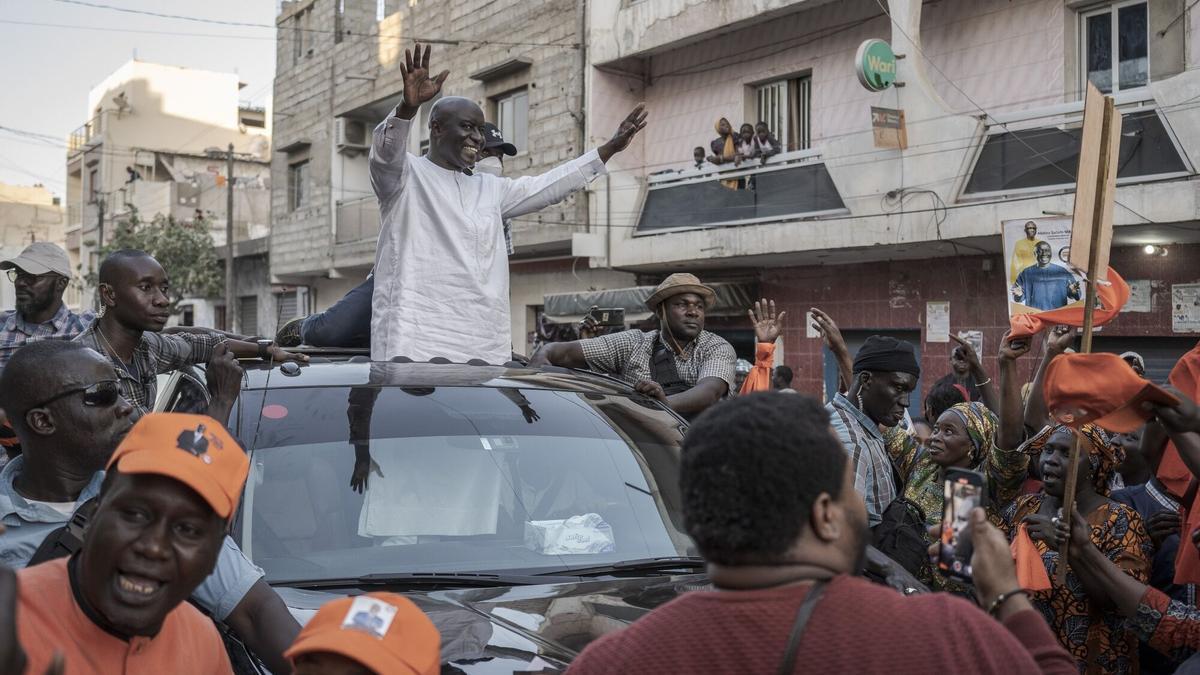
(759, 378)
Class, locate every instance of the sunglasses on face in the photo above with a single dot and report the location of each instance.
(14, 275)
(100, 395)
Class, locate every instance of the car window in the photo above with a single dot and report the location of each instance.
(356, 481)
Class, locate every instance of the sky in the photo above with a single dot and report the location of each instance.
(50, 69)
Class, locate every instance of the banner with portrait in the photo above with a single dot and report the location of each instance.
(1039, 277)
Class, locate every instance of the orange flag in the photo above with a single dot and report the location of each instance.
(1113, 296)
(1031, 573)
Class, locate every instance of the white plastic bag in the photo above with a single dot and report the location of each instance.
(577, 535)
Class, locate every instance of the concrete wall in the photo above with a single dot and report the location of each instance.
(892, 296)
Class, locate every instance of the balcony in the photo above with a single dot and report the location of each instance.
(82, 136)
(791, 185)
(357, 220)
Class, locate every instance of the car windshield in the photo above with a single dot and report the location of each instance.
(348, 482)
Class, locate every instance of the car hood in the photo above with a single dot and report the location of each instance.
(522, 629)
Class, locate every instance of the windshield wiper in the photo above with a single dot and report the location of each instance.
(418, 579)
(689, 564)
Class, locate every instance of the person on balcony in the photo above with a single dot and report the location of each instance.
(441, 282)
(764, 144)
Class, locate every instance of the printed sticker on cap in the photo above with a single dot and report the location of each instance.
(370, 616)
(196, 442)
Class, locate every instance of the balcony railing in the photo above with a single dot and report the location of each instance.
(81, 136)
(789, 186)
(357, 220)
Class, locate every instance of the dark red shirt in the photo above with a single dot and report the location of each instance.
(857, 627)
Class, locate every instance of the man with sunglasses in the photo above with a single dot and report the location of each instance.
(66, 406)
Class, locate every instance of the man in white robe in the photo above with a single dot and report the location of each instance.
(441, 272)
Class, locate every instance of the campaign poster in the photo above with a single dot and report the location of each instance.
(1039, 277)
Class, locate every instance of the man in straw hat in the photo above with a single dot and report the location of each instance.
(681, 364)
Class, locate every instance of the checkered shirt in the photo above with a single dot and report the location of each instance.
(15, 331)
(155, 354)
(873, 475)
(628, 355)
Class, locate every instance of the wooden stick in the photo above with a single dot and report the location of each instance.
(1102, 195)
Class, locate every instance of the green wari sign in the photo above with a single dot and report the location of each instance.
(875, 64)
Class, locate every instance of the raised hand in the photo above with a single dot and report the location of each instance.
(968, 351)
(629, 127)
(419, 87)
(829, 331)
(767, 326)
(1011, 350)
(1059, 339)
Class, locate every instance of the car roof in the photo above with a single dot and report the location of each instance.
(341, 369)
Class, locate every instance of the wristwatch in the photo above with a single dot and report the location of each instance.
(263, 346)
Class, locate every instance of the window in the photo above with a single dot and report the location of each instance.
(301, 35)
(187, 315)
(1116, 46)
(297, 185)
(786, 106)
(93, 185)
(248, 314)
(512, 117)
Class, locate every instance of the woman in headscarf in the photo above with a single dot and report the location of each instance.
(1097, 637)
(726, 148)
(964, 436)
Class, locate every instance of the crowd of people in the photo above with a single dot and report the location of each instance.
(1085, 541)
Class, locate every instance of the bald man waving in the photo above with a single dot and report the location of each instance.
(441, 272)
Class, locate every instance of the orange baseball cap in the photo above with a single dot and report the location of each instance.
(1101, 389)
(195, 450)
(383, 631)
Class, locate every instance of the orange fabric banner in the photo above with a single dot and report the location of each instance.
(1113, 296)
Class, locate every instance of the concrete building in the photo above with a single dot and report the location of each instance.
(155, 142)
(992, 99)
(29, 214)
(337, 77)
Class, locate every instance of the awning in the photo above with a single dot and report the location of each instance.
(733, 299)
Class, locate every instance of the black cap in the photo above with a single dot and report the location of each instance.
(492, 138)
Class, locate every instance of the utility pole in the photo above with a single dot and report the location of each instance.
(100, 222)
(228, 240)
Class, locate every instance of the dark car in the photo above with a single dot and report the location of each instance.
(526, 511)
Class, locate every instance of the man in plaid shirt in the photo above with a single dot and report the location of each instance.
(134, 309)
(682, 364)
(40, 276)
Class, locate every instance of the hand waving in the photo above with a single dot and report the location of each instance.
(829, 331)
(629, 127)
(767, 326)
(419, 87)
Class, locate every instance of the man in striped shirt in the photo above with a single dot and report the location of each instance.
(885, 374)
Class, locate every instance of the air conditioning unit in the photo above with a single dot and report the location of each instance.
(351, 135)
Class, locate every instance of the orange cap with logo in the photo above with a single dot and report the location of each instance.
(382, 631)
(194, 450)
(1101, 389)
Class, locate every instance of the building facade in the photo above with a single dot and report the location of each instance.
(155, 144)
(29, 214)
(337, 77)
(992, 99)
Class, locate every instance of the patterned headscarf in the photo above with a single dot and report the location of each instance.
(1103, 455)
(981, 425)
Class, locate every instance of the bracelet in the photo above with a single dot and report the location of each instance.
(1003, 597)
(987, 381)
